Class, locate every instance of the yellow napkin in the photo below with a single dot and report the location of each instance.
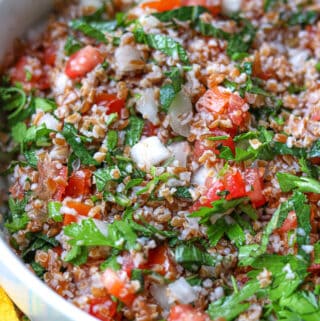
(7, 310)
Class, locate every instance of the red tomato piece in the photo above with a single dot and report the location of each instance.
(213, 190)
(290, 223)
(68, 219)
(83, 61)
(50, 56)
(213, 100)
(161, 5)
(255, 182)
(149, 129)
(61, 183)
(234, 183)
(80, 208)
(314, 268)
(118, 285)
(127, 264)
(111, 102)
(38, 79)
(236, 110)
(185, 312)
(79, 183)
(103, 308)
(315, 115)
(225, 142)
(159, 260)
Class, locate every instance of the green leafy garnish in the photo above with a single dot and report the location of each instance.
(54, 211)
(72, 45)
(134, 130)
(18, 218)
(303, 184)
(183, 193)
(70, 134)
(188, 13)
(78, 255)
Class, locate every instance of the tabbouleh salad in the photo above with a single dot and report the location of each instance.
(167, 158)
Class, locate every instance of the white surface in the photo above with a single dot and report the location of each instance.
(29, 293)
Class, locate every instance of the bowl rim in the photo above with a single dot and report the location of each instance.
(31, 281)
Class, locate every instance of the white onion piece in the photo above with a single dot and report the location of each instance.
(230, 6)
(180, 114)
(148, 152)
(128, 58)
(50, 122)
(159, 292)
(180, 152)
(147, 105)
(181, 291)
(200, 176)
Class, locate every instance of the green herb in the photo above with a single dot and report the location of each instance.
(78, 255)
(47, 105)
(230, 307)
(134, 130)
(110, 263)
(18, 132)
(289, 182)
(72, 45)
(38, 270)
(315, 150)
(239, 43)
(54, 211)
(112, 140)
(316, 247)
(207, 29)
(137, 275)
(162, 43)
(302, 18)
(70, 134)
(38, 241)
(133, 182)
(317, 66)
(218, 138)
(189, 13)
(38, 135)
(293, 89)
(18, 218)
(183, 192)
(105, 175)
(31, 158)
(192, 257)
(218, 207)
(88, 30)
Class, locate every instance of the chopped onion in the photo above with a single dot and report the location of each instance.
(180, 152)
(148, 152)
(101, 226)
(148, 106)
(180, 114)
(231, 6)
(159, 292)
(181, 291)
(50, 122)
(200, 176)
(128, 58)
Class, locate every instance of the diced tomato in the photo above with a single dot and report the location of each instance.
(161, 5)
(50, 55)
(159, 261)
(314, 268)
(315, 115)
(213, 100)
(213, 190)
(185, 312)
(118, 285)
(290, 223)
(61, 183)
(80, 208)
(204, 3)
(149, 129)
(234, 184)
(79, 183)
(255, 182)
(83, 61)
(38, 79)
(111, 102)
(58, 250)
(68, 219)
(235, 110)
(103, 308)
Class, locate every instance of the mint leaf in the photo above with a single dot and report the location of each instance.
(134, 130)
(188, 13)
(302, 184)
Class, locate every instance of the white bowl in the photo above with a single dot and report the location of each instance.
(29, 293)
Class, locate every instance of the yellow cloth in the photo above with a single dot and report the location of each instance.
(7, 310)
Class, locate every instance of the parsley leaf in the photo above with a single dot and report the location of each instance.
(188, 13)
(134, 130)
(163, 43)
(70, 134)
(18, 218)
(54, 211)
(88, 30)
(105, 175)
(183, 192)
(302, 18)
(78, 255)
(72, 45)
(303, 184)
